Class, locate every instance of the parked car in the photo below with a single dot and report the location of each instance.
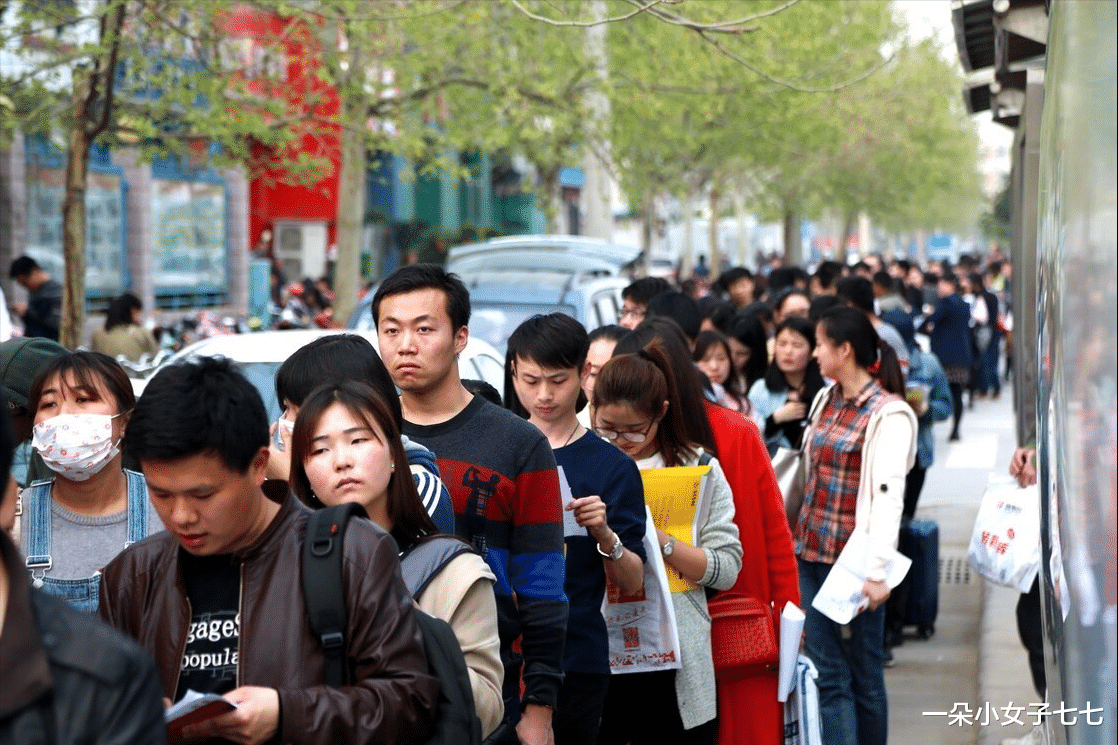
(258, 355)
(564, 253)
(502, 299)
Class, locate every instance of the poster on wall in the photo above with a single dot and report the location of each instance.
(188, 246)
(104, 227)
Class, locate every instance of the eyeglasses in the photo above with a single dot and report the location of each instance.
(634, 437)
(633, 313)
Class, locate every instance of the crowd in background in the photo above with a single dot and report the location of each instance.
(724, 375)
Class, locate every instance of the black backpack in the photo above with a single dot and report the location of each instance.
(456, 721)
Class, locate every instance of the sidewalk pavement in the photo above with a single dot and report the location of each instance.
(975, 661)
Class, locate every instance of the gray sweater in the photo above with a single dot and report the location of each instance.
(694, 683)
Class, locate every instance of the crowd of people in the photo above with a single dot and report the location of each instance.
(180, 518)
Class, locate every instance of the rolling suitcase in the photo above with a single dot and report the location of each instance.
(919, 541)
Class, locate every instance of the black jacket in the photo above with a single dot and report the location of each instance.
(67, 677)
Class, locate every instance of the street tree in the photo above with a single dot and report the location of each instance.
(152, 75)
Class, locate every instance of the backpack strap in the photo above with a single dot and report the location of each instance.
(420, 563)
(323, 591)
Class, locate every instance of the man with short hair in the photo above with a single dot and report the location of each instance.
(42, 313)
(857, 292)
(737, 283)
(502, 479)
(636, 297)
(68, 677)
(218, 598)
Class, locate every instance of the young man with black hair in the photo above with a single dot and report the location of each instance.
(502, 479)
(857, 292)
(738, 284)
(823, 281)
(636, 297)
(604, 531)
(218, 598)
(42, 313)
(68, 677)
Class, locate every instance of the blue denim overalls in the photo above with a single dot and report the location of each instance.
(83, 594)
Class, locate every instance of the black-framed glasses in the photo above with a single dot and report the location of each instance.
(634, 437)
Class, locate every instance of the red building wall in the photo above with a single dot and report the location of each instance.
(272, 196)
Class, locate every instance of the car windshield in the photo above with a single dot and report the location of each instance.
(495, 322)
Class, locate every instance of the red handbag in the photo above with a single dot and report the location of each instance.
(743, 636)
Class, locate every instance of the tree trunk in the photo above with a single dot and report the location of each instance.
(743, 230)
(72, 328)
(648, 220)
(793, 247)
(551, 200)
(715, 255)
(850, 226)
(351, 187)
(687, 261)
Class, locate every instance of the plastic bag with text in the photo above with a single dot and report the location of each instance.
(1005, 543)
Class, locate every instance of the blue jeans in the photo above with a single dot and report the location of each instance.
(852, 703)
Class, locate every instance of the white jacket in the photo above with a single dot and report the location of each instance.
(888, 453)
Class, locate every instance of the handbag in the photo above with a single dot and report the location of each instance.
(789, 468)
(743, 636)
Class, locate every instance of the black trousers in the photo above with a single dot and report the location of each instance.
(641, 709)
(578, 716)
(1030, 627)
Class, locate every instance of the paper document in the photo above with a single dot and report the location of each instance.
(192, 708)
(570, 524)
(679, 499)
(791, 629)
(840, 597)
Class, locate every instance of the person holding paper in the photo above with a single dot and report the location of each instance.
(604, 516)
(218, 599)
(749, 712)
(636, 406)
(860, 446)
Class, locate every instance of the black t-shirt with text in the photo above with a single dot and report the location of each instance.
(209, 664)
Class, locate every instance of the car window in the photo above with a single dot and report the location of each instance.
(262, 375)
(494, 323)
(605, 305)
(489, 369)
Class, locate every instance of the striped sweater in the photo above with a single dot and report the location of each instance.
(501, 474)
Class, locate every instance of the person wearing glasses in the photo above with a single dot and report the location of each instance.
(637, 407)
(604, 533)
(636, 297)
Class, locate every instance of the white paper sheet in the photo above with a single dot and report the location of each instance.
(840, 597)
(791, 629)
(570, 524)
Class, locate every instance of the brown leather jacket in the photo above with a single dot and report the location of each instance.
(143, 595)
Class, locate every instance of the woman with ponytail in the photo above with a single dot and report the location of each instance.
(636, 406)
(860, 445)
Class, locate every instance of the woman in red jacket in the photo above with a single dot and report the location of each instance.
(748, 710)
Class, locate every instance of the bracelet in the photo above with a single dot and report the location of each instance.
(615, 553)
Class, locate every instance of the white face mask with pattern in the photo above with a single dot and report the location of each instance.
(76, 446)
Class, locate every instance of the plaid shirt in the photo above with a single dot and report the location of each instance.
(834, 473)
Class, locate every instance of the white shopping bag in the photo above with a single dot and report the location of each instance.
(801, 710)
(642, 631)
(1005, 543)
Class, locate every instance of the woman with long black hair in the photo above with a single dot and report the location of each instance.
(861, 444)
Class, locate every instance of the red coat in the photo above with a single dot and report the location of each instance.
(748, 711)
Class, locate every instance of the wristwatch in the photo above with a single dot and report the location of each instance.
(616, 552)
(668, 547)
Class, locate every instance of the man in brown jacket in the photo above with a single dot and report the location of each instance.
(217, 599)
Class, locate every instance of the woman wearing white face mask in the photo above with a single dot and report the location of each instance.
(76, 522)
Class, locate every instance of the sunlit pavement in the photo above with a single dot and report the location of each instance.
(956, 687)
